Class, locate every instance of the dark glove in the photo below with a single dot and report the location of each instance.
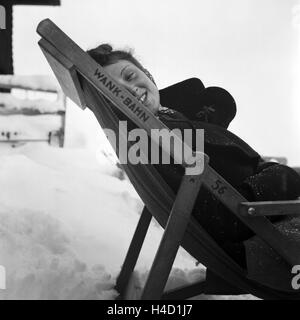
(273, 182)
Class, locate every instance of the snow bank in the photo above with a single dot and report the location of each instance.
(37, 253)
(66, 223)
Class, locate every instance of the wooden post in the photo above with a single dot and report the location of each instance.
(133, 251)
(172, 237)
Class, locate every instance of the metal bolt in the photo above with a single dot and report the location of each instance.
(251, 211)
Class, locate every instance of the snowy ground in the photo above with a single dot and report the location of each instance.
(66, 222)
(67, 217)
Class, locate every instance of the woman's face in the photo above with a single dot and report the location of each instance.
(136, 82)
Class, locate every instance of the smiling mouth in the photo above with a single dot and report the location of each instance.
(143, 98)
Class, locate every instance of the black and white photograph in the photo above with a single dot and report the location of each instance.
(149, 150)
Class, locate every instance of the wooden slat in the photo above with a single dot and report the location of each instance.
(133, 252)
(65, 73)
(172, 237)
(270, 208)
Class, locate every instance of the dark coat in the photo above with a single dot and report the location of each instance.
(230, 156)
(242, 167)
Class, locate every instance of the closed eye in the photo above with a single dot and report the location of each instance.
(129, 76)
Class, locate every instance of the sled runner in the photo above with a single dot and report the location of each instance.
(88, 85)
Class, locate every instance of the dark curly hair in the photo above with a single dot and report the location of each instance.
(105, 55)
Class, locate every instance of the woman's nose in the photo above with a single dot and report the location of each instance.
(135, 91)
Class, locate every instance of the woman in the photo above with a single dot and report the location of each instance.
(210, 109)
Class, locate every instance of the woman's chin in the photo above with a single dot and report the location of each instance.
(153, 109)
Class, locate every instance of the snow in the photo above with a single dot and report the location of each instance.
(66, 222)
(31, 82)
